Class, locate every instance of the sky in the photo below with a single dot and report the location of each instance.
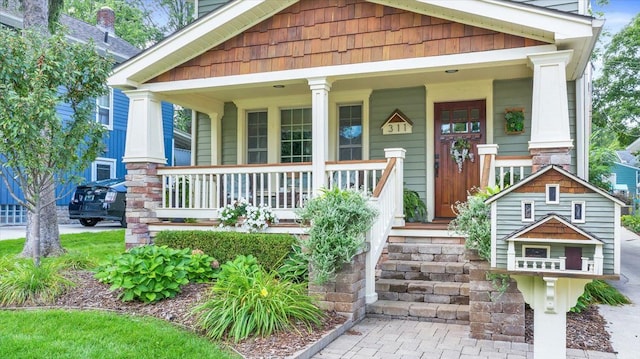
(617, 13)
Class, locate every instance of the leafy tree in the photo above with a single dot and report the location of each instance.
(132, 19)
(179, 13)
(41, 14)
(602, 154)
(38, 73)
(616, 92)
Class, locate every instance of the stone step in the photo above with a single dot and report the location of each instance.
(427, 252)
(430, 271)
(426, 239)
(432, 312)
(423, 291)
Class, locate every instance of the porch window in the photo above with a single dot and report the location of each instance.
(257, 137)
(577, 212)
(532, 251)
(103, 109)
(295, 135)
(103, 168)
(528, 211)
(350, 132)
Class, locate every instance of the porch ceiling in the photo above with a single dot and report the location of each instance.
(200, 99)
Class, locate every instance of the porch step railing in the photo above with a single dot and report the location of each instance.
(501, 171)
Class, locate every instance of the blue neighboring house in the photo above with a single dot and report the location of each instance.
(111, 110)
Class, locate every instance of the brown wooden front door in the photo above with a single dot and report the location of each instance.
(574, 258)
(460, 125)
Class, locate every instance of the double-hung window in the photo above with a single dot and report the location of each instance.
(257, 137)
(295, 135)
(104, 113)
(103, 168)
(350, 132)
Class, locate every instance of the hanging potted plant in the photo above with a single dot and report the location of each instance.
(514, 121)
(460, 151)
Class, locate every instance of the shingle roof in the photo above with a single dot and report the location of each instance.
(79, 30)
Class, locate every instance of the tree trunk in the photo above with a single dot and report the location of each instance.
(49, 233)
(36, 15)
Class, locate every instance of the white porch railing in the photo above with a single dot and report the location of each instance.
(502, 171)
(540, 264)
(199, 192)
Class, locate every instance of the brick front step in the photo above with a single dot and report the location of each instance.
(429, 271)
(435, 240)
(429, 312)
(423, 291)
(426, 252)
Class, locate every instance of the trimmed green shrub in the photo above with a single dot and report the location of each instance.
(23, 282)
(247, 301)
(599, 292)
(151, 273)
(632, 223)
(340, 220)
(270, 249)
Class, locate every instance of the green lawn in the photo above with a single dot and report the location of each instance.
(94, 334)
(96, 245)
(88, 334)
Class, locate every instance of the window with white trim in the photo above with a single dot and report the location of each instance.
(577, 211)
(257, 137)
(528, 211)
(295, 135)
(104, 106)
(349, 132)
(552, 193)
(533, 251)
(103, 168)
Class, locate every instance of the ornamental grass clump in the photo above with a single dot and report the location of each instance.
(246, 301)
(21, 281)
(339, 222)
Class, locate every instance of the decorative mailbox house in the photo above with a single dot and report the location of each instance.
(553, 233)
(555, 222)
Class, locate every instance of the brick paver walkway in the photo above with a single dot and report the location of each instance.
(404, 339)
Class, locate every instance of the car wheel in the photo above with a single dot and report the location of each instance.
(123, 221)
(89, 222)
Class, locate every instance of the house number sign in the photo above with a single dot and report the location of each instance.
(397, 124)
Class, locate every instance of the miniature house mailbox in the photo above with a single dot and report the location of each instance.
(553, 233)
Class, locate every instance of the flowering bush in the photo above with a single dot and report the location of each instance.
(230, 213)
(259, 217)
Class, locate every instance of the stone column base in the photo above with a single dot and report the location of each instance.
(144, 195)
(551, 156)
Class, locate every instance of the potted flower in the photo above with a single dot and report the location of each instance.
(514, 120)
(259, 218)
(233, 213)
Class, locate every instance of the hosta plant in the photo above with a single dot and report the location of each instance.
(151, 273)
(246, 301)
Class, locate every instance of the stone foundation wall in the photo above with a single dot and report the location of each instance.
(346, 294)
(551, 156)
(144, 195)
(493, 315)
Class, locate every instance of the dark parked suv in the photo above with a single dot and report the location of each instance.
(97, 201)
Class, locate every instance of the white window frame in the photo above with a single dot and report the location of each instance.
(111, 162)
(557, 187)
(526, 246)
(573, 213)
(533, 211)
(247, 129)
(109, 125)
(362, 114)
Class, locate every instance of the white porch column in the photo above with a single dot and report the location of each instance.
(550, 132)
(399, 154)
(511, 256)
(487, 154)
(145, 139)
(216, 132)
(320, 130)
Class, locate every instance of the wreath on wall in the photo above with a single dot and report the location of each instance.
(460, 151)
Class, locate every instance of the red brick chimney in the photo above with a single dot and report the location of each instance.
(106, 20)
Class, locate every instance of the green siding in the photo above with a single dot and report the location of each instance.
(203, 140)
(229, 134)
(206, 6)
(411, 101)
(518, 93)
(599, 216)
